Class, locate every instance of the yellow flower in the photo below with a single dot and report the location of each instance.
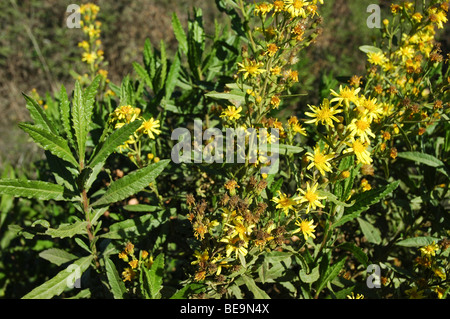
(414, 294)
(128, 274)
(297, 128)
(370, 108)
(377, 58)
(306, 227)
(429, 250)
(251, 68)
(89, 57)
(319, 160)
(278, 6)
(352, 296)
(232, 113)
(438, 17)
(365, 185)
(284, 202)
(361, 128)
(150, 127)
(405, 52)
(324, 114)
(263, 8)
(296, 8)
(134, 263)
(272, 48)
(236, 245)
(311, 197)
(275, 101)
(360, 149)
(417, 17)
(345, 95)
(202, 257)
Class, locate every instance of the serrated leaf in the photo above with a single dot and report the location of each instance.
(68, 230)
(38, 115)
(372, 233)
(192, 288)
(367, 199)
(57, 256)
(142, 73)
(64, 112)
(117, 138)
(417, 241)
(118, 288)
(329, 274)
(180, 35)
(131, 183)
(50, 142)
(172, 76)
(56, 285)
(79, 122)
(32, 189)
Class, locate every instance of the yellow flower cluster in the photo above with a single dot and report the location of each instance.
(128, 255)
(92, 55)
(149, 128)
(431, 267)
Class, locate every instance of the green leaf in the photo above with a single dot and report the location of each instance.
(363, 201)
(289, 149)
(329, 274)
(89, 96)
(149, 60)
(180, 35)
(32, 189)
(417, 241)
(367, 199)
(57, 256)
(117, 138)
(68, 230)
(156, 273)
(64, 112)
(258, 293)
(56, 285)
(141, 208)
(142, 73)
(233, 95)
(370, 49)
(172, 76)
(50, 142)
(192, 288)
(425, 159)
(372, 233)
(79, 120)
(118, 288)
(135, 226)
(38, 115)
(131, 183)
(356, 251)
(311, 277)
